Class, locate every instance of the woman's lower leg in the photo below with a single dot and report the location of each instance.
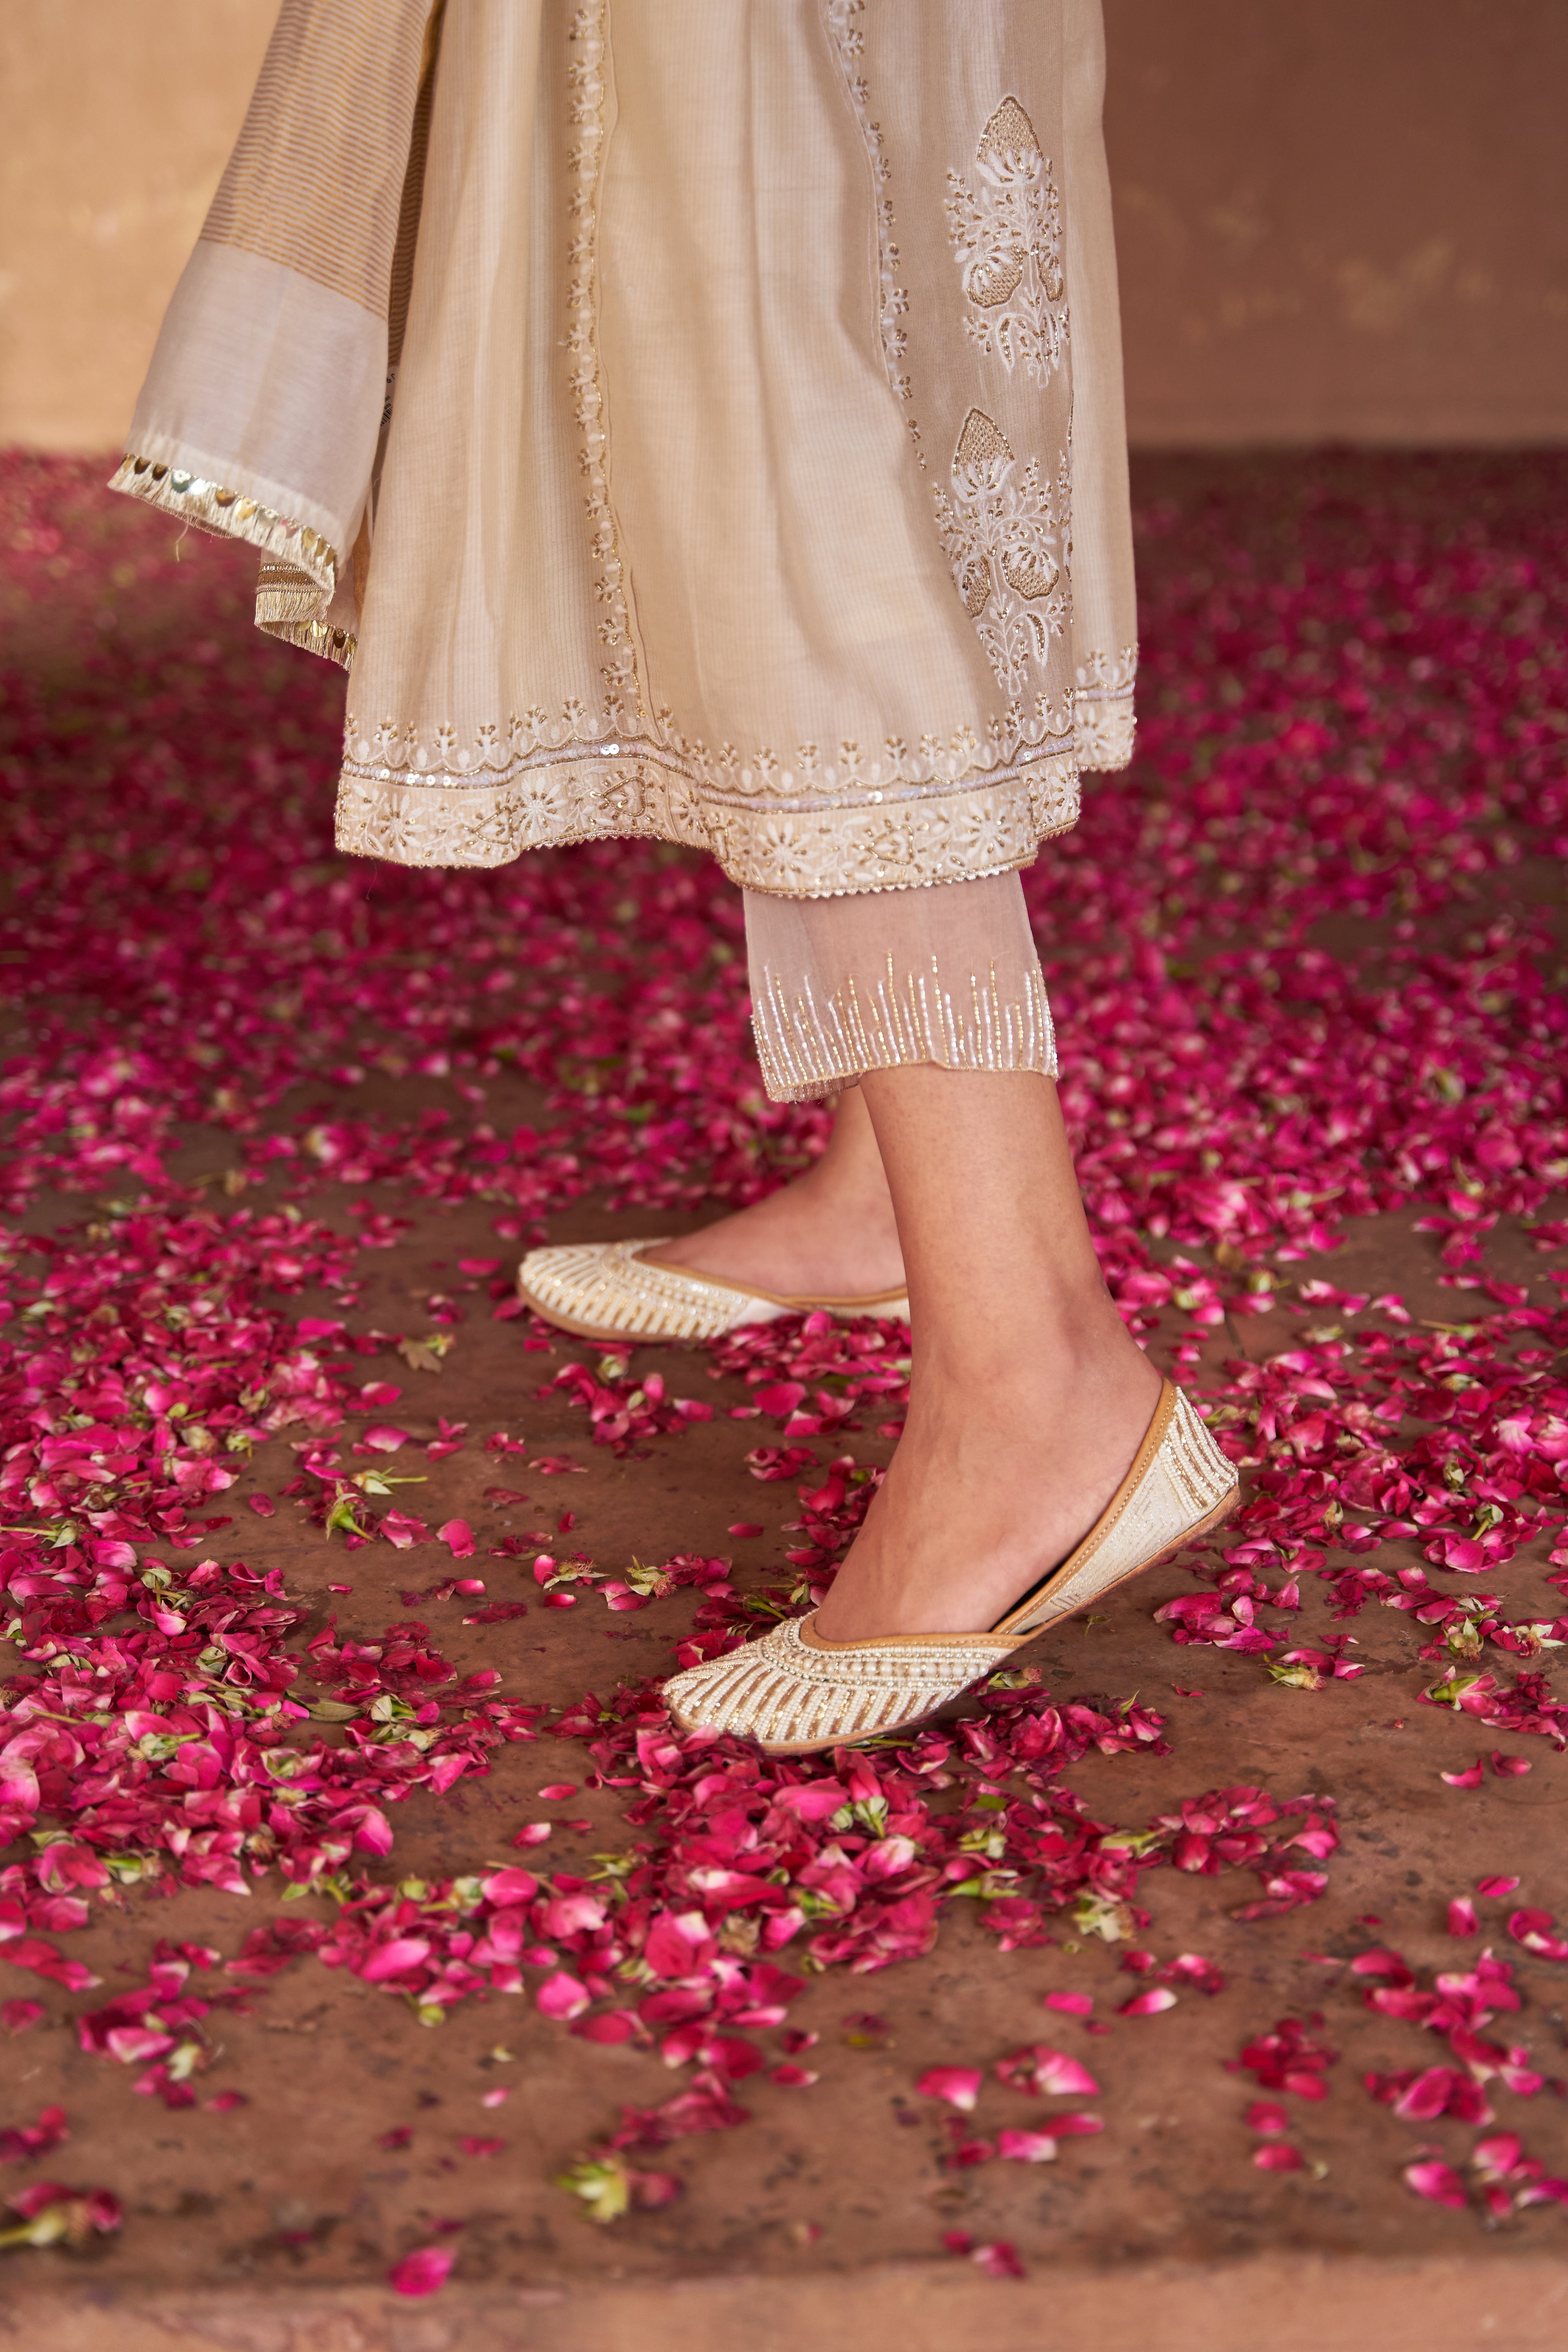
(829, 1234)
(1028, 1400)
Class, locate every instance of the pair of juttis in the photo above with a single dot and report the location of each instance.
(698, 419)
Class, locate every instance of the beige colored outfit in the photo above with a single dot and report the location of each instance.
(695, 418)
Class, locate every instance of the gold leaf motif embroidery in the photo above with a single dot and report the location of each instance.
(1008, 544)
(1007, 237)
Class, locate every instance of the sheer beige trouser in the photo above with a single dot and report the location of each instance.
(948, 974)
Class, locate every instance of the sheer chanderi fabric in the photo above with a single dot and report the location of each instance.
(743, 464)
(848, 984)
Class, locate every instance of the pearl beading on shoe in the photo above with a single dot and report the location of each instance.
(610, 1287)
(783, 1692)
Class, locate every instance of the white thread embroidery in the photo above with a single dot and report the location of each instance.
(1008, 240)
(585, 76)
(1008, 544)
(850, 43)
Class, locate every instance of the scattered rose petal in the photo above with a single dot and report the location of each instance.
(423, 2270)
(1438, 2181)
(959, 2085)
(1262, 2116)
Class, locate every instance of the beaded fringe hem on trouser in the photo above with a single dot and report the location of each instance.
(874, 980)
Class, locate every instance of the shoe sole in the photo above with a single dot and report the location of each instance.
(1200, 1528)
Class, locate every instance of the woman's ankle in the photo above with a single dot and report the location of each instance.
(807, 1240)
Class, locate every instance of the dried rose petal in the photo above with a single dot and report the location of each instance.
(1533, 1929)
(423, 2270)
(1073, 2004)
(1438, 2181)
(959, 2085)
(1048, 2074)
(999, 2260)
(1262, 2116)
(561, 1997)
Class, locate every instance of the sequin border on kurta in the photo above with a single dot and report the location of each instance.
(906, 841)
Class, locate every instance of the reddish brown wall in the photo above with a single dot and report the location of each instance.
(1338, 218)
(1342, 218)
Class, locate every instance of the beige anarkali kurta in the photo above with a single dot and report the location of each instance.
(698, 418)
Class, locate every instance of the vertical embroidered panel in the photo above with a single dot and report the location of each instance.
(1007, 235)
(587, 71)
(848, 47)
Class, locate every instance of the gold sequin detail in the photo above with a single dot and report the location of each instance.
(807, 1049)
(1103, 725)
(300, 568)
(899, 843)
(849, 46)
(585, 74)
(1006, 235)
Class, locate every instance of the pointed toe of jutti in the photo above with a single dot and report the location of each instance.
(796, 1694)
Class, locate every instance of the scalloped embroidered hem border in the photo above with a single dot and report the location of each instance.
(904, 843)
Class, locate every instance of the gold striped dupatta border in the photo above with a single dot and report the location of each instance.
(317, 178)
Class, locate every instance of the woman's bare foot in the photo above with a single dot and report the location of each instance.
(829, 1234)
(993, 1485)
(1028, 1400)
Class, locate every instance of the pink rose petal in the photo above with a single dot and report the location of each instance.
(959, 2085)
(422, 2272)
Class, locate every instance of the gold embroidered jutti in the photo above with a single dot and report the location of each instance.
(698, 418)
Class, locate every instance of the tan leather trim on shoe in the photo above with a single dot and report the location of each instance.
(1017, 1621)
(812, 1639)
(869, 1303)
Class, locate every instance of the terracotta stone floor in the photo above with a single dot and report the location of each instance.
(820, 2222)
(270, 2226)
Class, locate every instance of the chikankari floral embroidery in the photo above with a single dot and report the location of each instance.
(1008, 542)
(586, 73)
(850, 43)
(1007, 235)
